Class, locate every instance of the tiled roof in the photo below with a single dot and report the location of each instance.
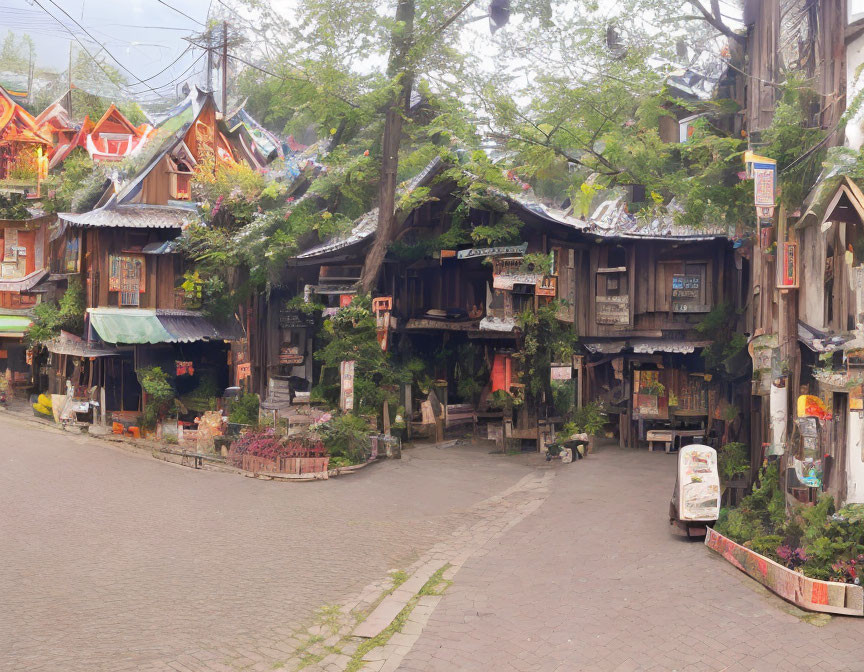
(133, 217)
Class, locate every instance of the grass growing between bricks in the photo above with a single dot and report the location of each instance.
(436, 585)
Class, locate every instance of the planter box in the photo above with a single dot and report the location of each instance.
(807, 593)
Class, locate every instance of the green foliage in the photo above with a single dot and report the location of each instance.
(244, 410)
(68, 315)
(537, 262)
(228, 192)
(544, 340)
(590, 419)
(346, 437)
(500, 400)
(719, 326)
(12, 206)
(203, 396)
(789, 138)
(78, 186)
(733, 460)
(155, 384)
(350, 334)
(812, 539)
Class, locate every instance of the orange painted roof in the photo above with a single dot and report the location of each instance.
(17, 124)
(113, 113)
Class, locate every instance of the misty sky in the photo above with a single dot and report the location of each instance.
(144, 35)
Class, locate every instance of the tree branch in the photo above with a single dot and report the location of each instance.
(716, 20)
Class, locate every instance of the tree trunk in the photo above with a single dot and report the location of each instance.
(401, 71)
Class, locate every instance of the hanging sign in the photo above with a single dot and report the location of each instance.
(788, 267)
(492, 251)
(613, 310)
(764, 175)
(561, 371)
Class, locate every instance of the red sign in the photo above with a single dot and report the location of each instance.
(788, 266)
(345, 300)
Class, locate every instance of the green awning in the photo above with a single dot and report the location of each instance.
(128, 325)
(14, 325)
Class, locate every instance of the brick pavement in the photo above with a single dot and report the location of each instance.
(114, 561)
(593, 580)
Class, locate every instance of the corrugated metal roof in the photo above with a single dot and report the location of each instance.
(136, 325)
(612, 220)
(186, 326)
(133, 217)
(366, 225)
(650, 346)
(363, 228)
(69, 344)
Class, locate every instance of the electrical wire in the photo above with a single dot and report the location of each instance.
(80, 43)
(182, 53)
(162, 2)
(86, 32)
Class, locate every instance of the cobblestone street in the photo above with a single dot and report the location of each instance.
(114, 561)
(594, 581)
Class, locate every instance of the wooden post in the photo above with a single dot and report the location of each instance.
(224, 67)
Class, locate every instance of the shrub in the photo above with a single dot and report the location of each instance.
(160, 392)
(733, 460)
(244, 410)
(346, 436)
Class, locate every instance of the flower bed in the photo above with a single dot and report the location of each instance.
(815, 541)
(264, 451)
(813, 594)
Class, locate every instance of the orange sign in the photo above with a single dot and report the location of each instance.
(811, 406)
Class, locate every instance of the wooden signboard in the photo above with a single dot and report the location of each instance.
(346, 387)
(295, 319)
(788, 266)
(613, 310)
(561, 371)
(492, 251)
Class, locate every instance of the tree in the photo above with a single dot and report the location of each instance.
(17, 53)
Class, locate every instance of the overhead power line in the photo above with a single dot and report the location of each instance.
(105, 49)
(162, 2)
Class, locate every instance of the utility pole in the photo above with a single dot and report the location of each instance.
(224, 67)
(70, 79)
(209, 60)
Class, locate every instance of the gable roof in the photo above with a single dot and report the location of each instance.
(113, 113)
(169, 133)
(57, 115)
(12, 115)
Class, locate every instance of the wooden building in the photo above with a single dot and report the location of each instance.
(138, 313)
(23, 265)
(22, 145)
(645, 297)
(634, 293)
(113, 137)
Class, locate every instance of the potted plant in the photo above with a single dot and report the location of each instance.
(733, 463)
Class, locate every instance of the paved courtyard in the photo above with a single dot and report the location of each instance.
(114, 561)
(111, 560)
(595, 581)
